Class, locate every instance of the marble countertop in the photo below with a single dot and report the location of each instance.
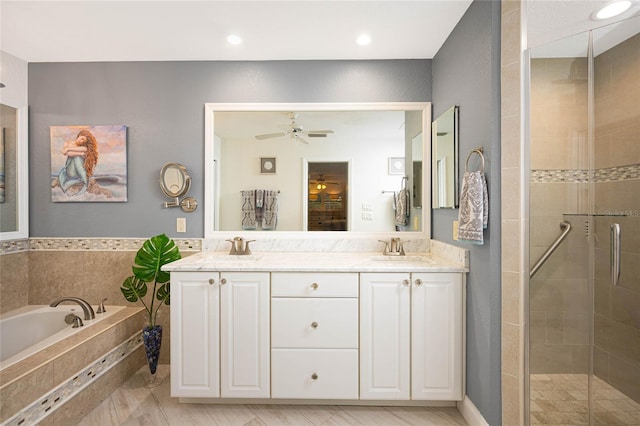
(314, 261)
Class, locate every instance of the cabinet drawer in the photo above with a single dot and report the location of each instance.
(312, 284)
(314, 373)
(314, 323)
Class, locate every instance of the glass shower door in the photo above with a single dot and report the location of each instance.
(584, 300)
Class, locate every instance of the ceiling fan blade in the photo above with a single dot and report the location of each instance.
(318, 133)
(301, 139)
(270, 135)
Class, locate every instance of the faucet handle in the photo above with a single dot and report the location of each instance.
(247, 250)
(233, 247)
(101, 308)
(386, 247)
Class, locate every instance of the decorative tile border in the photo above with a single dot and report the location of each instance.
(609, 174)
(51, 401)
(14, 246)
(104, 244)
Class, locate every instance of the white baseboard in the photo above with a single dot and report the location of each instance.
(471, 413)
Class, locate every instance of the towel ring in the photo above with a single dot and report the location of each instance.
(478, 151)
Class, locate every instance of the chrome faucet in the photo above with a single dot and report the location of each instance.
(89, 314)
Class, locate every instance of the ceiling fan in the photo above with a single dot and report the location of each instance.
(296, 131)
(321, 183)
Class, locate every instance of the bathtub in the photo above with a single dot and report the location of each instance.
(30, 329)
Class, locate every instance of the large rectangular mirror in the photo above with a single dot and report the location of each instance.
(444, 160)
(14, 213)
(277, 150)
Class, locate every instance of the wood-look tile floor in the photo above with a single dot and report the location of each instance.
(135, 404)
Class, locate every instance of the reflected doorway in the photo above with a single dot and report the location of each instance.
(327, 196)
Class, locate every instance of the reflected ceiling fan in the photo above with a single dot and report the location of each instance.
(296, 131)
(321, 183)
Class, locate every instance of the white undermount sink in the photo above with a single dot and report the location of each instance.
(397, 258)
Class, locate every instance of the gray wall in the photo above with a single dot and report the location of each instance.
(466, 73)
(162, 104)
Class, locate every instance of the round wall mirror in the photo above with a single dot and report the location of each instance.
(174, 180)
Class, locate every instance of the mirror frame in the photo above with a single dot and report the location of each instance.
(211, 171)
(456, 159)
(186, 184)
(22, 176)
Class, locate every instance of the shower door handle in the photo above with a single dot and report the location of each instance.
(615, 254)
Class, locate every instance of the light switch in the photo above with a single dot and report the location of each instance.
(181, 224)
(366, 207)
(367, 216)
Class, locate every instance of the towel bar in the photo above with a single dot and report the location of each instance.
(478, 151)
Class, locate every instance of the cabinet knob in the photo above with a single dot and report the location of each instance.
(212, 281)
(314, 376)
(406, 283)
(314, 325)
(314, 286)
(418, 282)
(223, 281)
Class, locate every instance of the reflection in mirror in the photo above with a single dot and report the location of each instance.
(444, 160)
(365, 136)
(327, 202)
(8, 169)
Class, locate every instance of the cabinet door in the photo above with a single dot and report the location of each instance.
(244, 332)
(437, 336)
(194, 334)
(384, 335)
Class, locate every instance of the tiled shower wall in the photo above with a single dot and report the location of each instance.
(617, 162)
(558, 296)
(92, 269)
(559, 299)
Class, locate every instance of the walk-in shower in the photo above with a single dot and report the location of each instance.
(583, 354)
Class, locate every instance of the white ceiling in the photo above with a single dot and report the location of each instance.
(158, 30)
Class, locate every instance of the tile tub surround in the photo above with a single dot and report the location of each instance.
(26, 381)
(14, 280)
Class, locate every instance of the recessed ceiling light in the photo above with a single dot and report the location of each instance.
(611, 9)
(234, 39)
(363, 39)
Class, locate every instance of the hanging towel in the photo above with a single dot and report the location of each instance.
(473, 215)
(259, 205)
(401, 204)
(270, 210)
(248, 209)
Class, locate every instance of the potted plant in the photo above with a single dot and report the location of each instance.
(154, 253)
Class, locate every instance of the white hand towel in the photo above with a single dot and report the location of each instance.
(473, 215)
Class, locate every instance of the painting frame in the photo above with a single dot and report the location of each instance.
(88, 163)
(396, 166)
(267, 165)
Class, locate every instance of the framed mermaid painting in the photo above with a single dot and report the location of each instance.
(88, 163)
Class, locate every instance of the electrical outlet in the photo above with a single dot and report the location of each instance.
(367, 216)
(181, 224)
(455, 230)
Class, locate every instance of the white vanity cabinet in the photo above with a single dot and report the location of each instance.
(411, 336)
(220, 334)
(314, 335)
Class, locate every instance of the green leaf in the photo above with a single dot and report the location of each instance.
(133, 289)
(155, 252)
(164, 294)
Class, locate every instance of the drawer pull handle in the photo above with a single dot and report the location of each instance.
(418, 282)
(406, 283)
(223, 281)
(314, 325)
(314, 286)
(314, 376)
(212, 281)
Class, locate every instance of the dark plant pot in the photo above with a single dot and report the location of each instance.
(152, 340)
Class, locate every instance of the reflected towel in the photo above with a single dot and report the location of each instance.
(403, 209)
(259, 204)
(270, 210)
(248, 209)
(473, 215)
